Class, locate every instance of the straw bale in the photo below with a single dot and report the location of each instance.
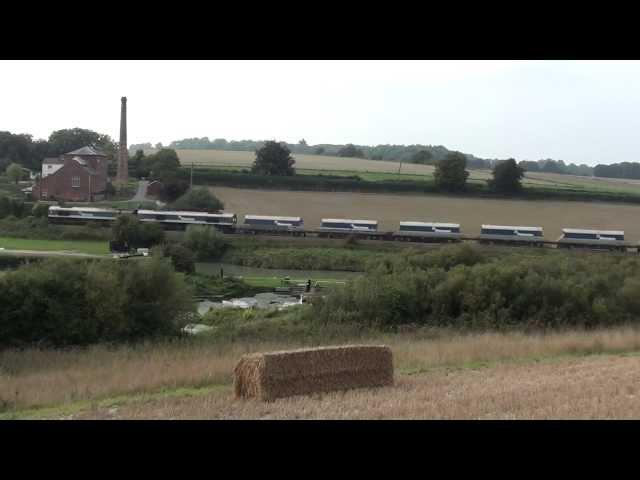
(272, 375)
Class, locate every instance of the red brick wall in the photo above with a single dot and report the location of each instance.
(59, 185)
(99, 164)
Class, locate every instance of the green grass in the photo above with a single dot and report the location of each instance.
(82, 246)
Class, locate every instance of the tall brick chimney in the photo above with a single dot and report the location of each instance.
(123, 153)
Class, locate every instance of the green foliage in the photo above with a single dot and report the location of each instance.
(69, 302)
(424, 157)
(14, 172)
(451, 174)
(173, 190)
(300, 258)
(39, 228)
(206, 242)
(40, 210)
(273, 159)
(506, 177)
(164, 165)
(67, 140)
(465, 289)
(127, 229)
(182, 258)
(14, 208)
(198, 199)
(350, 151)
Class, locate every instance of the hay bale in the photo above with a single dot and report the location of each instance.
(272, 375)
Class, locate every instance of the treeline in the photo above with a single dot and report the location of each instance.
(618, 170)
(29, 153)
(425, 154)
(556, 166)
(461, 287)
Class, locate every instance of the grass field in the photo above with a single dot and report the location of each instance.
(390, 209)
(91, 247)
(383, 170)
(437, 375)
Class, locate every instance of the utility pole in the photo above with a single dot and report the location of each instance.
(191, 184)
(400, 167)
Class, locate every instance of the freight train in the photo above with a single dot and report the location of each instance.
(408, 231)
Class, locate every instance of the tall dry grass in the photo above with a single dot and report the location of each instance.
(35, 378)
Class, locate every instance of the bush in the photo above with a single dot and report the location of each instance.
(462, 288)
(77, 302)
(198, 199)
(206, 242)
(128, 230)
(182, 258)
(39, 228)
(40, 210)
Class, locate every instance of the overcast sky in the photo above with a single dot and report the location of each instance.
(577, 111)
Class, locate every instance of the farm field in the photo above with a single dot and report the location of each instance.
(384, 170)
(390, 209)
(478, 376)
(81, 246)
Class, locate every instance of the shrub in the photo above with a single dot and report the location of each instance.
(128, 230)
(182, 258)
(206, 242)
(40, 210)
(75, 302)
(198, 199)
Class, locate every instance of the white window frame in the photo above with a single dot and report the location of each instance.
(75, 181)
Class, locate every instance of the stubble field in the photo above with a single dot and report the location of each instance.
(478, 376)
(390, 209)
(373, 169)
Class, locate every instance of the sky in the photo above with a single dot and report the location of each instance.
(576, 111)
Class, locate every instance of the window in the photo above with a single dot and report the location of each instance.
(49, 167)
(44, 194)
(75, 182)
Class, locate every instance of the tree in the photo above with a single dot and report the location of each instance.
(303, 142)
(273, 159)
(198, 199)
(40, 210)
(205, 241)
(164, 165)
(182, 258)
(128, 230)
(451, 174)
(350, 151)
(14, 172)
(422, 157)
(67, 140)
(506, 177)
(318, 151)
(173, 190)
(138, 162)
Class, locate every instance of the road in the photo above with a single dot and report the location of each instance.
(141, 194)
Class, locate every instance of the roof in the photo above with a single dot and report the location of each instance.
(507, 227)
(425, 224)
(346, 220)
(82, 209)
(86, 151)
(269, 217)
(178, 212)
(598, 232)
(53, 160)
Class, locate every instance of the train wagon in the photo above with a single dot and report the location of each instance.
(342, 227)
(595, 239)
(82, 215)
(428, 232)
(180, 220)
(255, 224)
(514, 235)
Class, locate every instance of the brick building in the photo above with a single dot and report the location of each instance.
(79, 176)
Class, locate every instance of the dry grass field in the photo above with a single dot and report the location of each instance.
(437, 375)
(389, 209)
